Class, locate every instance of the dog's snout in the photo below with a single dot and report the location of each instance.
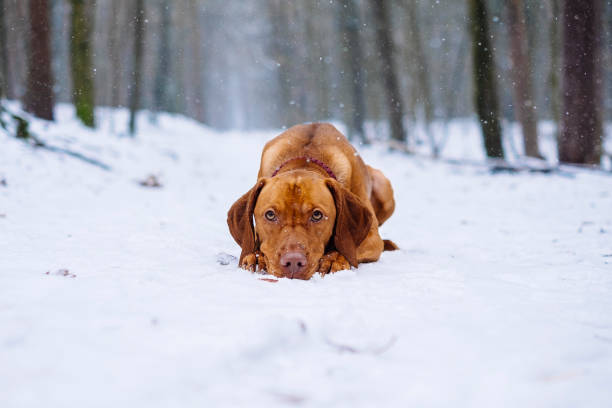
(293, 263)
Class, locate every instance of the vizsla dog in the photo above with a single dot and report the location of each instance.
(316, 206)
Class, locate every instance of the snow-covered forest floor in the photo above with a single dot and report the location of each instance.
(115, 294)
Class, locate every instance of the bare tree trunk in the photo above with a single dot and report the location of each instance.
(312, 49)
(389, 76)
(114, 53)
(349, 27)
(197, 74)
(181, 61)
(2, 86)
(424, 82)
(5, 87)
(317, 25)
(80, 61)
(302, 67)
(607, 111)
(521, 72)
(39, 93)
(15, 15)
(278, 12)
(581, 126)
(322, 73)
(555, 63)
(136, 77)
(487, 104)
(160, 94)
(607, 71)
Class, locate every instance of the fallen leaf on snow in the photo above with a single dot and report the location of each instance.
(151, 181)
(62, 272)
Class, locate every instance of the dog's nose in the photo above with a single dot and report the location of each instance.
(293, 263)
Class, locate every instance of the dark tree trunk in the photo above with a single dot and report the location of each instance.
(114, 53)
(521, 72)
(607, 74)
(487, 104)
(5, 86)
(80, 62)
(581, 126)
(555, 63)
(136, 76)
(38, 98)
(160, 93)
(389, 76)
(349, 27)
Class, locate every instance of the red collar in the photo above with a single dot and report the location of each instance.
(319, 163)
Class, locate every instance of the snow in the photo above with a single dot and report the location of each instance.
(501, 294)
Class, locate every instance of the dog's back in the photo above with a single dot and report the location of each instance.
(322, 142)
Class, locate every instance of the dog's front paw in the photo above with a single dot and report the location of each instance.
(255, 262)
(333, 262)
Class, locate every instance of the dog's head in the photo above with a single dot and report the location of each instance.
(297, 217)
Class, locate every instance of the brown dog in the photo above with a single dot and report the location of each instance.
(316, 205)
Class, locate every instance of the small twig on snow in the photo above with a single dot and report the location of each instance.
(345, 348)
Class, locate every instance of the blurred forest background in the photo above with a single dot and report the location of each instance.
(271, 63)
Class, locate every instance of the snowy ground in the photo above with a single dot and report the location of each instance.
(501, 295)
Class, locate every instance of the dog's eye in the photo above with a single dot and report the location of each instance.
(270, 216)
(317, 216)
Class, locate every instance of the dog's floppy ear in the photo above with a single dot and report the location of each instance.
(240, 219)
(353, 221)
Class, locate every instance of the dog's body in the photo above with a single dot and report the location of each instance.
(317, 206)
